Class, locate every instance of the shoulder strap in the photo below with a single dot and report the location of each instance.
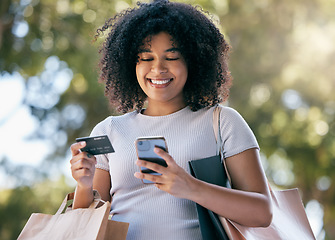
(216, 124)
(219, 145)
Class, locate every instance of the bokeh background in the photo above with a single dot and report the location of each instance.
(283, 64)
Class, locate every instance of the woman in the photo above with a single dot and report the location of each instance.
(172, 58)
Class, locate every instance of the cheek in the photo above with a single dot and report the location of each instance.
(137, 68)
(141, 70)
(140, 75)
(181, 69)
(183, 73)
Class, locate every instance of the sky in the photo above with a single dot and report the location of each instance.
(17, 124)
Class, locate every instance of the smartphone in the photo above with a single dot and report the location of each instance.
(96, 145)
(145, 151)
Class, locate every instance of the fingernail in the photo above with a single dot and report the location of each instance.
(82, 143)
(157, 149)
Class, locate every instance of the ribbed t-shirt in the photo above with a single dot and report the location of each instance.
(154, 214)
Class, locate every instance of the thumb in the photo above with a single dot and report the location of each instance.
(75, 147)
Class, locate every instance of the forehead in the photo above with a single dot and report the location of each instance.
(161, 39)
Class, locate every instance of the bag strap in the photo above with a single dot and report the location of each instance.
(68, 200)
(216, 127)
(218, 139)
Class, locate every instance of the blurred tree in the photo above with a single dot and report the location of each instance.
(282, 62)
(283, 53)
(16, 205)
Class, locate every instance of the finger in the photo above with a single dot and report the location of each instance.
(82, 164)
(82, 159)
(75, 147)
(150, 165)
(82, 173)
(92, 158)
(167, 157)
(81, 156)
(77, 157)
(155, 178)
(139, 175)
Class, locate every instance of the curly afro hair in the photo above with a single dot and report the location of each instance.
(199, 40)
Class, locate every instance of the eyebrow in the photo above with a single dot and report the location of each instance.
(147, 50)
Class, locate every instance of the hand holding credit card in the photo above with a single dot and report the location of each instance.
(96, 145)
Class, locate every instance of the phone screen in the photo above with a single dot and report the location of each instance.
(145, 151)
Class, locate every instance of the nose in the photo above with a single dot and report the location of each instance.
(158, 66)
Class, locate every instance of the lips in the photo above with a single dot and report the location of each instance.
(159, 82)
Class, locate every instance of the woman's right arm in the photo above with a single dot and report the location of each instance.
(87, 177)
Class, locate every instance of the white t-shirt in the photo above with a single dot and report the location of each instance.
(154, 214)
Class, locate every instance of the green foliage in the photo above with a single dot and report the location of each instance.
(16, 205)
(282, 63)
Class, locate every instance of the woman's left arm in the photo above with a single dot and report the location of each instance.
(248, 203)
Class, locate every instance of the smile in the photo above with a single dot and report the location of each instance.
(160, 81)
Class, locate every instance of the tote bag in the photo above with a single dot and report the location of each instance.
(289, 221)
(82, 223)
(289, 217)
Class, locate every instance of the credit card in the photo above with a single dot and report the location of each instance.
(96, 145)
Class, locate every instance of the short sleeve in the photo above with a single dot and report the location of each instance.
(102, 128)
(236, 134)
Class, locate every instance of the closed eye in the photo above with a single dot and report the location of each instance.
(172, 59)
(146, 59)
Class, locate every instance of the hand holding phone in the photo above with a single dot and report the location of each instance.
(145, 151)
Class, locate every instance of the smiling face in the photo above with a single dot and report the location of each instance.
(161, 70)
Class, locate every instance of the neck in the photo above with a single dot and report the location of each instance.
(162, 109)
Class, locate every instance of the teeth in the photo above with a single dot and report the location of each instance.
(160, 81)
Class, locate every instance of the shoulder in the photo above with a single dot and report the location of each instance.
(105, 125)
(226, 109)
(232, 123)
(102, 127)
(236, 134)
(229, 114)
